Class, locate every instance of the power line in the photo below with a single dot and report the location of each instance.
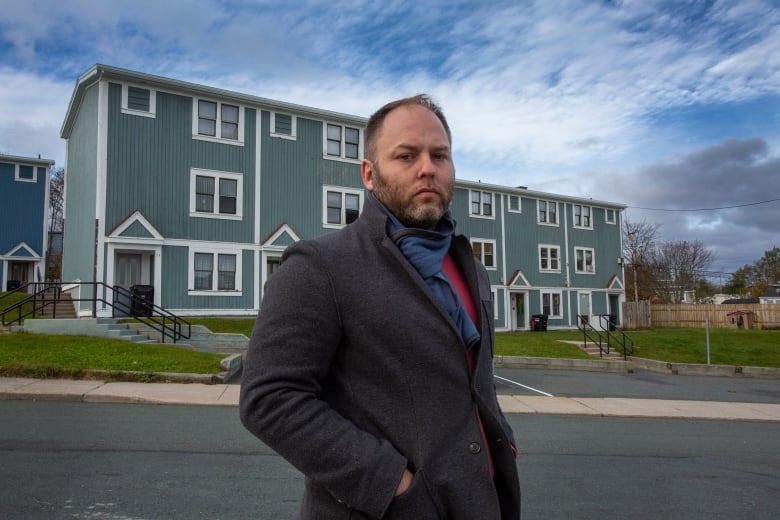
(707, 209)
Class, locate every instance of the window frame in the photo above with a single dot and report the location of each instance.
(546, 221)
(482, 241)
(551, 294)
(18, 173)
(583, 251)
(217, 176)
(549, 248)
(607, 212)
(293, 135)
(342, 142)
(215, 253)
(343, 191)
(481, 202)
(519, 204)
(217, 137)
(151, 113)
(581, 216)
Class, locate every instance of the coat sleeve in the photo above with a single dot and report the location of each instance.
(294, 341)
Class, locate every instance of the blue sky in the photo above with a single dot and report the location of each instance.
(669, 105)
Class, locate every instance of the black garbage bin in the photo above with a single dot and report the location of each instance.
(12, 285)
(143, 300)
(612, 321)
(539, 322)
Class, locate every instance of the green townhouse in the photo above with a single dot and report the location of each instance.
(192, 193)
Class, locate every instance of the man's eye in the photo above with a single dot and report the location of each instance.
(405, 156)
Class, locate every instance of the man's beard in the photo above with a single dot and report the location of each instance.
(408, 212)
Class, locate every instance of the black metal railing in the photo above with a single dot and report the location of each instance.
(615, 335)
(122, 302)
(592, 334)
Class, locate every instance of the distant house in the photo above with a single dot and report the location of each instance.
(772, 294)
(195, 192)
(24, 190)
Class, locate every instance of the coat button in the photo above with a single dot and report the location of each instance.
(475, 448)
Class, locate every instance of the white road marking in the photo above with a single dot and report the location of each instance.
(522, 385)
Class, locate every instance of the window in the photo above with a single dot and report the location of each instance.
(484, 251)
(549, 258)
(283, 125)
(341, 206)
(609, 216)
(342, 141)
(216, 194)
(482, 203)
(138, 101)
(215, 120)
(584, 260)
(215, 270)
(514, 204)
(551, 304)
(582, 216)
(26, 173)
(548, 212)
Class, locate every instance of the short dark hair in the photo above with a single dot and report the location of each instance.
(377, 119)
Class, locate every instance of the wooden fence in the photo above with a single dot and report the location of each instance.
(637, 315)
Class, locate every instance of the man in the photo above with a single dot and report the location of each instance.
(370, 367)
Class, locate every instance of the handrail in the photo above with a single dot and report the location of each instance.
(157, 318)
(612, 330)
(587, 329)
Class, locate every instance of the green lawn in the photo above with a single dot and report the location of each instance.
(760, 348)
(40, 355)
(36, 355)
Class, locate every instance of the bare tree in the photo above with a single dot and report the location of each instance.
(678, 268)
(56, 198)
(639, 243)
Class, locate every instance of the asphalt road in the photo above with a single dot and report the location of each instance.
(133, 462)
(639, 385)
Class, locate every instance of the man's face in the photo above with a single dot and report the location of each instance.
(412, 174)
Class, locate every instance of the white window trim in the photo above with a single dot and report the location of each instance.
(19, 178)
(539, 257)
(519, 204)
(213, 250)
(557, 222)
(484, 241)
(342, 157)
(293, 127)
(574, 216)
(614, 216)
(492, 205)
(152, 102)
(592, 256)
(217, 138)
(353, 191)
(194, 172)
(560, 302)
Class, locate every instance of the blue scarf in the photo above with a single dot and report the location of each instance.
(425, 250)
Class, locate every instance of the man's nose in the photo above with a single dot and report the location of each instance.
(427, 165)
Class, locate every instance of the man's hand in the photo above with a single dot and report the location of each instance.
(406, 481)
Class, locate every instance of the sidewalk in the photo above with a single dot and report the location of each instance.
(227, 395)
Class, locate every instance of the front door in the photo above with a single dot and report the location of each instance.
(20, 274)
(519, 305)
(585, 306)
(127, 273)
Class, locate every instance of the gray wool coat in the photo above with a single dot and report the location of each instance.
(355, 371)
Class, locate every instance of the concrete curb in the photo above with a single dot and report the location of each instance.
(634, 363)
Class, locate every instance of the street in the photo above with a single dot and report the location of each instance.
(125, 461)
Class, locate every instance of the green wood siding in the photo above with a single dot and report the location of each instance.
(149, 165)
(81, 174)
(293, 173)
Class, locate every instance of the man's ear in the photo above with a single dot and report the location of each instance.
(367, 174)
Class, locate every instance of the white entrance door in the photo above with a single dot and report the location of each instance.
(127, 273)
(585, 306)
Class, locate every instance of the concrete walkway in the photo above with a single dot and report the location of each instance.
(227, 395)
